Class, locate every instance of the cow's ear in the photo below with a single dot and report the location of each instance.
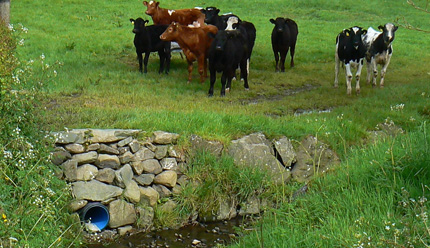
(156, 4)
(203, 11)
(395, 28)
(272, 21)
(217, 11)
(145, 22)
(381, 28)
(235, 25)
(364, 31)
(145, 3)
(132, 21)
(347, 32)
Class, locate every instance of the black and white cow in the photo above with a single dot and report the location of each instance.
(351, 51)
(284, 37)
(228, 51)
(379, 51)
(147, 40)
(212, 17)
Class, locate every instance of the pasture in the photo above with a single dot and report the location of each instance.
(99, 85)
(93, 81)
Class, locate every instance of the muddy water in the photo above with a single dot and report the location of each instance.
(199, 235)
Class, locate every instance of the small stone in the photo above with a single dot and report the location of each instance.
(164, 138)
(134, 146)
(126, 157)
(86, 172)
(75, 148)
(196, 242)
(161, 152)
(144, 179)
(124, 230)
(108, 161)
(77, 204)
(106, 175)
(93, 147)
(125, 141)
(85, 158)
(60, 155)
(166, 178)
(108, 150)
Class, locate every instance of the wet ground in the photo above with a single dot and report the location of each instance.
(199, 235)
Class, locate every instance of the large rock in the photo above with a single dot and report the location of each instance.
(132, 192)
(110, 135)
(75, 148)
(70, 136)
(200, 144)
(144, 179)
(151, 166)
(256, 151)
(124, 176)
(285, 150)
(108, 150)
(106, 175)
(143, 154)
(60, 155)
(121, 213)
(313, 157)
(161, 151)
(162, 190)
(70, 168)
(86, 172)
(95, 191)
(85, 158)
(145, 217)
(169, 164)
(149, 196)
(167, 178)
(108, 161)
(164, 138)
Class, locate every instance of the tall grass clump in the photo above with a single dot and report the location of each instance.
(216, 181)
(378, 197)
(32, 198)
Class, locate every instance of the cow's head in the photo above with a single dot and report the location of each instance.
(139, 24)
(232, 23)
(355, 35)
(223, 36)
(210, 14)
(171, 32)
(280, 24)
(151, 7)
(388, 31)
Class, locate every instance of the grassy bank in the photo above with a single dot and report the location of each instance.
(83, 53)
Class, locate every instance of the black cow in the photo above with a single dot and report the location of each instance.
(284, 37)
(212, 17)
(379, 51)
(351, 51)
(147, 40)
(228, 51)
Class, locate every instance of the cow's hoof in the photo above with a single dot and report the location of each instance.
(227, 89)
(246, 89)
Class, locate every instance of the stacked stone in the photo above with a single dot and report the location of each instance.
(114, 168)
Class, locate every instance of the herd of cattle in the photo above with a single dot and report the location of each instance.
(226, 43)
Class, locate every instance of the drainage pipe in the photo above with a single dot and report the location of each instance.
(96, 213)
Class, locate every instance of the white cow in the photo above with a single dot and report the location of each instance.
(379, 51)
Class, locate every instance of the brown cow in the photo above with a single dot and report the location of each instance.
(195, 43)
(166, 16)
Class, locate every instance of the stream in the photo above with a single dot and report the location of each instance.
(198, 235)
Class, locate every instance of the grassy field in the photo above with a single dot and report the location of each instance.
(84, 54)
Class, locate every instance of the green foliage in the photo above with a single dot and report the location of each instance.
(33, 199)
(377, 198)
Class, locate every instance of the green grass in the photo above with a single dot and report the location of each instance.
(97, 84)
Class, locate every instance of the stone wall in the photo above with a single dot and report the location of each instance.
(129, 175)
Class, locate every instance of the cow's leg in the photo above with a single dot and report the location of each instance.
(223, 82)
(190, 70)
(167, 51)
(292, 51)
(384, 70)
(201, 67)
(162, 57)
(375, 71)
(212, 73)
(336, 70)
(283, 57)
(357, 76)
(145, 62)
(244, 74)
(205, 68)
(230, 74)
(140, 58)
(276, 60)
(348, 76)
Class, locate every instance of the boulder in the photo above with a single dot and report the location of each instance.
(86, 172)
(200, 144)
(106, 175)
(60, 155)
(256, 151)
(285, 150)
(149, 195)
(132, 192)
(85, 158)
(75, 148)
(70, 168)
(95, 191)
(164, 138)
(121, 213)
(144, 179)
(167, 178)
(313, 157)
(108, 161)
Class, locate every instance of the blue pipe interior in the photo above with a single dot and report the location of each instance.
(98, 215)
